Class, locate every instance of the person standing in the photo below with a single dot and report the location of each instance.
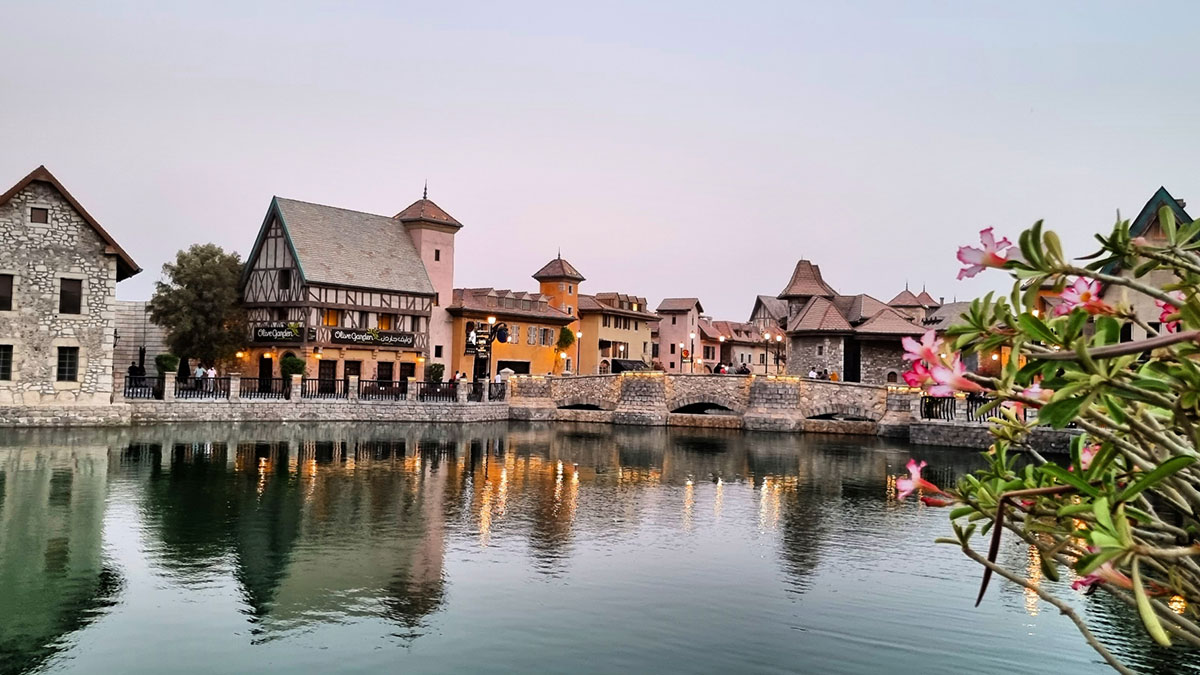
(210, 377)
(199, 375)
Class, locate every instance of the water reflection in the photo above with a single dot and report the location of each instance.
(420, 532)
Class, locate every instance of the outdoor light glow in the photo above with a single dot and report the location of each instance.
(420, 359)
(578, 334)
(721, 339)
(1035, 312)
(767, 335)
(779, 338)
(692, 335)
(491, 320)
(995, 357)
(562, 355)
(241, 354)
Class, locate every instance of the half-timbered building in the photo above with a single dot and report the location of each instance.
(346, 291)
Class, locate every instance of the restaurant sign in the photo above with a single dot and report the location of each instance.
(282, 333)
(371, 336)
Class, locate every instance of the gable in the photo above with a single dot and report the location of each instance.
(126, 267)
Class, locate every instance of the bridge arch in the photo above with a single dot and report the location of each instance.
(716, 400)
(850, 410)
(584, 403)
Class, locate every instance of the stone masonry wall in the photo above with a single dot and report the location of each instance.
(151, 412)
(802, 355)
(136, 330)
(39, 256)
(877, 358)
(113, 415)
(968, 435)
(601, 390)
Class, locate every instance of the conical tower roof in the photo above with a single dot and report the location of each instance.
(558, 269)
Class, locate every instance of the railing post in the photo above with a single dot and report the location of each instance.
(409, 392)
(960, 411)
(462, 391)
(295, 387)
(352, 388)
(235, 386)
(169, 388)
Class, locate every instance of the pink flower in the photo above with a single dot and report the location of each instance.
(919, 376)
(927, 350)
(1167, 310)
(1085, 294)
(976, 259)
(934, 501)
(1034, 392)
(951, 378)
(1102, 574)
(1086, 455)
(905, 486)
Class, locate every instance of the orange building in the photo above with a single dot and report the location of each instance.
(531, 323)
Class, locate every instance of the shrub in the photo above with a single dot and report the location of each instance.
(166, 363)
(434, 372)
(291, 365)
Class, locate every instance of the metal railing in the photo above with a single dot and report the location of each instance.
(322, 388)
(434, 392)
(144, 387)
(497, 391)
(476, 392)
(937, 408)
(974, 403)
(266, 387)
(215, 387)
(382, 390)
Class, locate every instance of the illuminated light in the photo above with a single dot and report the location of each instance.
(995, 357)
(317, 356)
(692, 336)
(578, 334)
(1034, 312)
(420, 359)
(268, 355)
(562, 355)
(1178, 604)
(721, 339)
(491, 320)
(241, 354)
(767, 335)
(779, 338)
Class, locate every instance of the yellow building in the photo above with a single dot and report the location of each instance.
(608, 326)
(532, 325)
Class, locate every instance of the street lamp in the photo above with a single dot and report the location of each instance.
(778, 345)
(578, 340)
(681, 345)
(767, 352)
(692, 352)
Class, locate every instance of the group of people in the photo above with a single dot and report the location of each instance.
(831, 375)
(460, 376)
(205, 376)
(136, 374)
(723, 369)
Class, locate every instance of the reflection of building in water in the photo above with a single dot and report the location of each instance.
(52, 572)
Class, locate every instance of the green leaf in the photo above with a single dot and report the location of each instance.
(961, 511)
(1060, 413)
(1103, 517)
(1108, 331)
(1091, 562)
(1036, 329)
(1160, 472)
(1049, 568)
(1104, 540)
(1053, 246)
(1069, 478)
(1146, 611)
(1073, 509)
(1166, 218)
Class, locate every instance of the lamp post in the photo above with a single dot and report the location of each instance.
(720, 348)
(767, 353)
(692, 353)
(578, 339)
(681, 346)
(778, 345)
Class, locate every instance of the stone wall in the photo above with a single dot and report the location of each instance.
(877, 358)
(602, 391)
(864, 401)
(328, 410)
(136, 330)
(975, 435)
(529, 387)
(39, 256)
(730, 391)
(115, 415)
(802, 355)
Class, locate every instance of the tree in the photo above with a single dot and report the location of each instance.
(198, 304)
(1124, 514)
(566, 338)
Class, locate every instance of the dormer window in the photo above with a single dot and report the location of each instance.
(39, 214)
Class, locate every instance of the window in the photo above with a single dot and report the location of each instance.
(279, 314)
(671, 364)
(654, 350)
(547, 337)
(635, 306)
(569, 310)
(820, 350)
(285, 280)
(437, 351)
(384, 372)
(363, 315)
(70, 296)
(561, 286)
(437, 255)
(514, 334)
(532, 335)
(762, 358)
(39, 214)
(672, 347)
(637, 325)
(68, 364)
(604, 321)
(331, 317)
(385, 323)
(1154, 325)
(6, 292)
(6, 352)
(891, 377)
(570, 289)
(672, 321)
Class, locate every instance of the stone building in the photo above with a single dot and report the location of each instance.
(135, 331)
(349, 292)
(856, 336)
(58, 282)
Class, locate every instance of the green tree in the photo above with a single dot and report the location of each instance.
(566, 338)
(198, 306)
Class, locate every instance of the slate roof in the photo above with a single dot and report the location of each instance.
(820, 315)
(775, 307)
(558, 269)
(945, 316)
(126, 267)
(352, 248)
(506, 303)
(1148, 217)
(806, 281)
(863, 307)
(888, 321)
(424, 210)
(926, 299)
(679, 305)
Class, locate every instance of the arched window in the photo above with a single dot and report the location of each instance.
(604, 367)
(892, 377)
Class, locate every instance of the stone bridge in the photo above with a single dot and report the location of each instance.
(728, 401)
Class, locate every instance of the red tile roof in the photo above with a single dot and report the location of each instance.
(905, 298)
(558, 269)
(424, 210)
(806, 281)
(506, 303)
(889, 321)
(609, 303)
(820, 315)
(927, 299)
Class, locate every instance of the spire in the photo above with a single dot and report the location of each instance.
(560, 253)
(425, 192)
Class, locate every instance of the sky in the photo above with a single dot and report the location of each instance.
(667, 148)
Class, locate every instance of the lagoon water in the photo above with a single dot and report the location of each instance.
(504, 548)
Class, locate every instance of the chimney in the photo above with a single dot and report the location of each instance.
(1182, 203)
(941, 300)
